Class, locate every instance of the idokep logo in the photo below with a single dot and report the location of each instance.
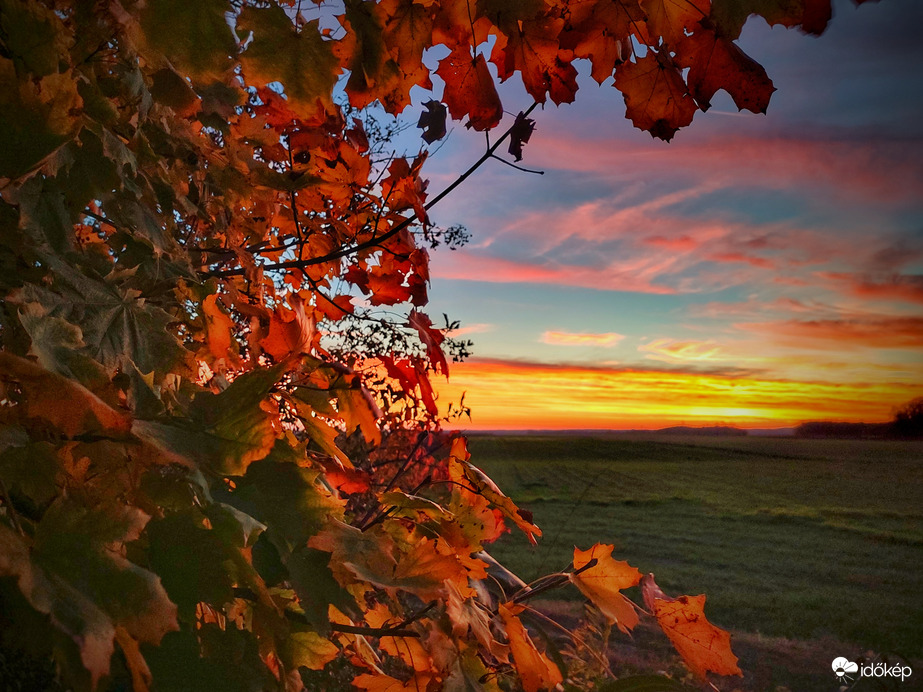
(845, 670)
(842, 667)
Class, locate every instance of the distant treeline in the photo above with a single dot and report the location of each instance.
(851, 431)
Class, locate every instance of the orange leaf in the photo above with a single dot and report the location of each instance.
(218, 328)
(703, 646)
(469, 476)
(432, 339)
(656, 97)
(536, 671)
(66, 405)
(290, 331)
(670, 18)
(535, 52)
(601, 31)
(469, 89)
(603, 583)
(717, 63)
(385, 683)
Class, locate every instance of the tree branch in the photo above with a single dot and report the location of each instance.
(373, 242)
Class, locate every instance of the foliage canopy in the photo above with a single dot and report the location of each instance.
(221, 460)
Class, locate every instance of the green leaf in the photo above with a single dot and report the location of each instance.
(208, 660)
(195, 36)
(39, 42)
(316, 587)
(75, 573)
(119, 326)
(285, 497)
(32, 471)
(39, 116)
(224, 432)
(192, 561)
(300, 59)
(307, 648)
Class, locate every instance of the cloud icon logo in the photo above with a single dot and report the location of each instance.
(843, 666)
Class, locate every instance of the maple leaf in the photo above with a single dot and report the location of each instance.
(299, 58)
(536, 671)
(601, 32)
(307, 648)
(656, 97)
(432, 121)
(373, 73)
(603, 583)
(43, 392)
(729, 16)
(535, 52)
(432, 339)
(519, 134)
(469, 89)
(194, 35)
(703, 646)
(291, 331)
(671, 18)
(385, 683)
(407, 30)
(717, 63)
(469, 476)
(218, 330)
(224, 432)
(75, 573)
(404, 189)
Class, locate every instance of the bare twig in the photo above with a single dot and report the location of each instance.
(373, 242)
(518, 168)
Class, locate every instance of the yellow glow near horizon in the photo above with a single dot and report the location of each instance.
(505, 395)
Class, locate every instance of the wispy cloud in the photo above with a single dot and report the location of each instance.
(902, 287)
(841, 334)
(581, 339)
(674, 351)
(477, 328)
(879, 169)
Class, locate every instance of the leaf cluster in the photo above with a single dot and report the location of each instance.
(221, 456)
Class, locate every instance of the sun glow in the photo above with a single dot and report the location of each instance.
(510, 395)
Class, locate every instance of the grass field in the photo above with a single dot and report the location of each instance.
(803, 539)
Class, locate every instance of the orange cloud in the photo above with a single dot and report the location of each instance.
(674, 351)
(581, 339)
(516, 395)
(477, 328)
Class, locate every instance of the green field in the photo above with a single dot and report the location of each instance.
(803, 539)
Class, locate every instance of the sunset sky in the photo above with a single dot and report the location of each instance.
(757, 271)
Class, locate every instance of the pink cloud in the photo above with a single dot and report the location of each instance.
(467, 266)
(903, 287)
(865, 331)
(581, 339)
(883, 170)
(681, 243)
(732, 257)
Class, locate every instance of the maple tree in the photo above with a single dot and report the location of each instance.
(222, 464)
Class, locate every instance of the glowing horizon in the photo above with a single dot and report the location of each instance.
(516, 396)
(759, 270)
